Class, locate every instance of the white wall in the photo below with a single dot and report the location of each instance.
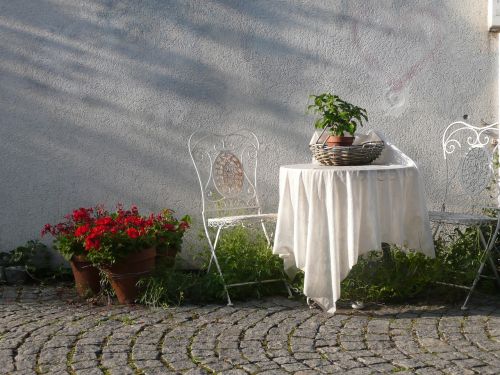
(97, 98)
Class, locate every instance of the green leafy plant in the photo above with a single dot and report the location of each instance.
(396, 276)
(35, 257)
(31, 255)
(171, 286)
(393, 275)
(459, 255)
(337, 115)
(243, 255)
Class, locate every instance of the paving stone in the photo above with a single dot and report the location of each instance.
(293, 367)
(353, 345)
(428, 371)
(371, 360)
(359, 371)
(196, 371)
(84, 365)
(148, 364)
(90, 371)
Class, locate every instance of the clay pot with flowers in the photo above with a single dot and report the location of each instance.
(339, 117)
(122, 243)
(70, 243)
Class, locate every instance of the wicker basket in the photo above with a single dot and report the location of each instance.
(347, 155)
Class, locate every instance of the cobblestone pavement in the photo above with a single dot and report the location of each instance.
(45, 332)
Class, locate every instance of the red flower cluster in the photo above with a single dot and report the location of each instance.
(80, 216)
(96, 227)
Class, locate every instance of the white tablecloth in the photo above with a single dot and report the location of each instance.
(328, 216)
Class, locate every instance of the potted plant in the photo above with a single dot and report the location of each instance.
(123, 244)
(70, 243)
(338, 117)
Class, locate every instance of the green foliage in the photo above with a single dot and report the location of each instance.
(243, 254)
(173, 286)
(34, 256)
(68, 245)
(459, 257)
(396, 276)
(393, 275)
(337, 115)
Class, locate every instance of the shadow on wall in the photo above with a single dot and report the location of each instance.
(98, 99)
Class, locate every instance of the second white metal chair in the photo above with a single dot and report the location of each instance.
(470, 153)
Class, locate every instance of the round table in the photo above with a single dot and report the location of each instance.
(330, 215)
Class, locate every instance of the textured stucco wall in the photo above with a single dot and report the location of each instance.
(97, 98)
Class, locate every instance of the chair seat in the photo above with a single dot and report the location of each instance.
(460, 218)
(228, 221)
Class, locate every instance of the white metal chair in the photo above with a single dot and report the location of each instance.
(226, 166)
(469, 152)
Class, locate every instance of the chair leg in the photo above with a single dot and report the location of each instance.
(215, 260)
(214, 246)
(485, 256)
(490, 256)
(474, 283)
(265, 233)
(494, 268)
(437, 231)
(290, 294)
(229, 303)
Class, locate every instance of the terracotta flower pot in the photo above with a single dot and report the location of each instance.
(125, 274)
(166, 257)
(87, 280)
(334, 140)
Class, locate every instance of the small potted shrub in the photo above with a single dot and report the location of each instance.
(70, 243)
(338, 117)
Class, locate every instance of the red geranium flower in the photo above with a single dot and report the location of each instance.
(82, 214)
(104, 221)
(170, 227)
(92, 242)
(81, 231)
(132, 232)
(47, 228)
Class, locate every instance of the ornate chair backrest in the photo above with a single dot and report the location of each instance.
(471, 157)
(226, 166)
